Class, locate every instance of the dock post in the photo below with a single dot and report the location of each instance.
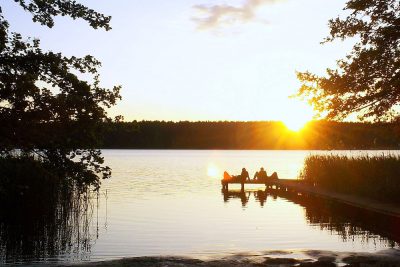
(242, 186)
(224, 186)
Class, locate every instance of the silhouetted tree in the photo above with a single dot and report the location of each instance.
(367, 81)
(46, 109)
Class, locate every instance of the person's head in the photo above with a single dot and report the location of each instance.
(261, 169)
(243, 169)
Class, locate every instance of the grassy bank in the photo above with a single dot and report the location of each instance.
(375, 177)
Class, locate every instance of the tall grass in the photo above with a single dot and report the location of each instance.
(369, 176)
(42, 215)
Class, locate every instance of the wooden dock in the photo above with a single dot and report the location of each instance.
(285, 184)
(294, 185)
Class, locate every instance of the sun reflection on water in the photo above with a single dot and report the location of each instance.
(213, 170)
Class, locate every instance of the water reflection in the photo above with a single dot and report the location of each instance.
(339, 219)
(58, 230)
(242, 195)
(261, 196)
(346, 220)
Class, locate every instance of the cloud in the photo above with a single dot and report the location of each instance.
(217, 15)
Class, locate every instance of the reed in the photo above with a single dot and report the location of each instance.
(42, 215)
(376, 177)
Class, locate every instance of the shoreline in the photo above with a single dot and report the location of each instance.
(283, 258)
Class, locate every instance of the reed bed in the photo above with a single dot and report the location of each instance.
(376, 177)
(42, 215)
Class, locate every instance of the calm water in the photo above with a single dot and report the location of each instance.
(170, 203)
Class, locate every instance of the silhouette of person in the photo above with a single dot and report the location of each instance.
(244, 175)
(274, 176)
(261, 175)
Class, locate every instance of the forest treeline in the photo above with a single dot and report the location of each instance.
(249, 135)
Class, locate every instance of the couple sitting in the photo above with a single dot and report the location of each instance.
(240, 178)
(258, 176)
(262, 175)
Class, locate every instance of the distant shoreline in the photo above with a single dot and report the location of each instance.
(267, 135)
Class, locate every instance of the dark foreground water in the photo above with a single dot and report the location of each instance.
(170, 203)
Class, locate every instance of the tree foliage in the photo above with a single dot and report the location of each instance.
(44, 12)
(367, 81)
(46, 109)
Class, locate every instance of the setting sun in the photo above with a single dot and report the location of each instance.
(295, 125)
(298, 115)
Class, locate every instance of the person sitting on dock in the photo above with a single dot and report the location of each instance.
(244, 175)
(260, 175)
(227, 176)
(241, 177)
(274, 176)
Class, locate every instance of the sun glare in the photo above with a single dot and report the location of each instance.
(212, 171)
(297, 116)
(295, 125)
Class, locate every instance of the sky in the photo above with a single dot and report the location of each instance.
(200, 59)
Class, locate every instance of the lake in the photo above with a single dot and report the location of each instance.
(169, 202)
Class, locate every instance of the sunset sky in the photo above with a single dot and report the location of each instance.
(200, 59)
